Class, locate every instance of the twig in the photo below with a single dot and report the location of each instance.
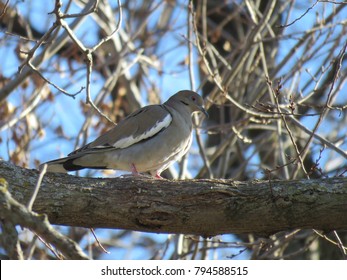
(31, 53)
(5, 9)
(50, 247)
(36, 97)
(85, 13)
(31, 248)
(37, 188)
(340, 245)
(73, 95)
(98, 242)
(89, 100)
(276, 94)
(328, 239)
(105, 39)
(318, 137)
(47, 53)
(299, 18)
(88, 52)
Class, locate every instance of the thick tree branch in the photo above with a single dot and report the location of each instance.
(13, 213)
(202, 207)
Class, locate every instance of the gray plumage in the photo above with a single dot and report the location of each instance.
(148, 140)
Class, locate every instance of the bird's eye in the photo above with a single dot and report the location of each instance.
(193, 98)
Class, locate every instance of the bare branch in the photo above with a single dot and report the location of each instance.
(105, 39)
(300, 17)
(8, 88)
(37, 187)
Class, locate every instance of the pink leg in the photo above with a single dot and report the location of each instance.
(136, 173)
(134, 170)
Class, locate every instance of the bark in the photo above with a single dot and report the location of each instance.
(201, 207)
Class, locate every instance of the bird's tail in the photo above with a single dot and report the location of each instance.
(75, 162)
(62, 165)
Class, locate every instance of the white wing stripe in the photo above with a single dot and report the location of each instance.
(131, 140)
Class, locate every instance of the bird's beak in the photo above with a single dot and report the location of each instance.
(203, 110)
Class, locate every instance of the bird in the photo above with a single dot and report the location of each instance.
(147, 141)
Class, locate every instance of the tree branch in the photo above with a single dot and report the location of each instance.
(201, 207)
(13, 213)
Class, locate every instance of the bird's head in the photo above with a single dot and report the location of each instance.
(190, 100)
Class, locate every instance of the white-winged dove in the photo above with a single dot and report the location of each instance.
(148, 140)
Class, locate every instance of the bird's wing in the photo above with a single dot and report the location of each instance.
(138, 126)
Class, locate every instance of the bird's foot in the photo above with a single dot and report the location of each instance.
(135, 173)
